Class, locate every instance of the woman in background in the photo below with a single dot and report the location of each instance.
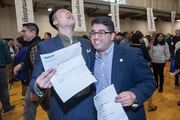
(159, 53)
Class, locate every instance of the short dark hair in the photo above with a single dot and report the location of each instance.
(119, 34)
(48, 33)
(32, 27)
(136, 37)
(51, 15)
(105, 21)
(9, 39)
(124, 34)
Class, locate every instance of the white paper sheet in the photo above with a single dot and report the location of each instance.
(106, 107)
(72, 74)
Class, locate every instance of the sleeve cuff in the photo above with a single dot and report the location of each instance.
(38, 92)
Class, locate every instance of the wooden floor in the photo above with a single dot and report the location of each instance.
(166, 102)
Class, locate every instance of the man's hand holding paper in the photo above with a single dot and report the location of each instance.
(107, 108)
(44, 79)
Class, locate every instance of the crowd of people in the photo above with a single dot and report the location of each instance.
(134, 63)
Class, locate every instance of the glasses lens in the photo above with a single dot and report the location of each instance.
(101, 33)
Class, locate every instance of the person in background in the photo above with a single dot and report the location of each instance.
(138, 42)
(19, 58)
(12, 48)
(118, 38)
(145, 41)
(130, 34)
(1, 112)
(159, 53)
(13, 52)
(176, 39)
(5, 59)
(85, 37)
(124, 67)
(125, 39)
(47, 36)
(30, 34)
(150, 41)
(177, 63)
(171, 44)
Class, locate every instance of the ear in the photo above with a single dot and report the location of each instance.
(55, 22)
(34, 32)
(113, 35)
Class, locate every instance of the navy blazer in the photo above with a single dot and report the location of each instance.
(81, 108)
(130, 72)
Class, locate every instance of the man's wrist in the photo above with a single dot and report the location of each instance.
(135, 102)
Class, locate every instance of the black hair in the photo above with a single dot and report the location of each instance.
(32, 27)
(124, 34)
(119, 34)
(136, 37)
(85, 36)
(51, 15)
(105, 21)
(48, 33)
(9, 39)
(156, 39)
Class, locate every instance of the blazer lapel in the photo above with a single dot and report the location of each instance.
(117, 68)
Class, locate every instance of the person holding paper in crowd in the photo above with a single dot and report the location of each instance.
(124, 67)
(81, 106)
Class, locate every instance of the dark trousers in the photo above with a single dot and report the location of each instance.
(177, 79)
(4, 93)
(30, 108)
(158, 70)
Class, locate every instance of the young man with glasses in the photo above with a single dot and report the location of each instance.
(124, 67)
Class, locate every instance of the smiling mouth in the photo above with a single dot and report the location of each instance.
(97, 42)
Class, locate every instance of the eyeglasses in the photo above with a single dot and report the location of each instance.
(101, 33)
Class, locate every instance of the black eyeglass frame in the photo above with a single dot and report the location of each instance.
(101, 33)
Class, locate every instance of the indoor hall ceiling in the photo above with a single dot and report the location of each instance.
(98, 8)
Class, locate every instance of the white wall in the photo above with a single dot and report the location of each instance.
(42, 20)
(8, 27)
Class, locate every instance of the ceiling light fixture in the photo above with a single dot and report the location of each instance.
(49, 9)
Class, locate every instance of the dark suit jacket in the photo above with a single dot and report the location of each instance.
(130, 72)
(81, 108)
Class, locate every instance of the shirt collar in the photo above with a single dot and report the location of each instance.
(64, 37)
(107, 52)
